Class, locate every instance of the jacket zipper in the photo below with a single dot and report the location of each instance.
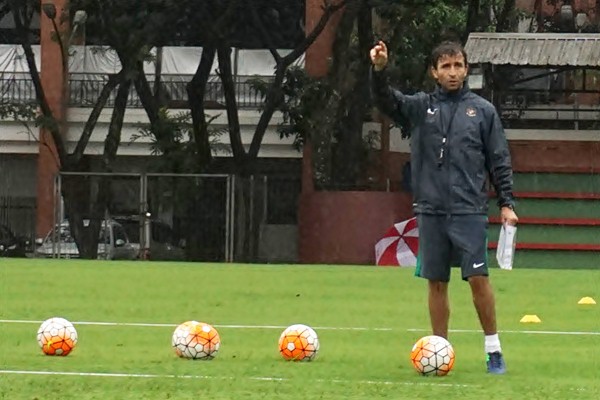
(454, 109)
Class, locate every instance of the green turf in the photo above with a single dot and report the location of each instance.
(352, 364)
(553, 182)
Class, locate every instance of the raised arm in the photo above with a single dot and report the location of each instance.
(391, 102)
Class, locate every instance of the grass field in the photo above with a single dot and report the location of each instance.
(367, 319)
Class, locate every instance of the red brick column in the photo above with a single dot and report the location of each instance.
(316, 64)
(318, 55)
(54, 83)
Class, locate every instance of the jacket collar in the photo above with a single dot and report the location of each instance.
(442, 94)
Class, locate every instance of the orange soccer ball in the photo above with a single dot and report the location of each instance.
(196, 340)
(299, 343)
(57, 337)
(432, 355)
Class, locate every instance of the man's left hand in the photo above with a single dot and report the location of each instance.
(508, 216)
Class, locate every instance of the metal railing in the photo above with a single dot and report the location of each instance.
(518, 108)
(17, 90)
(546, 109)
(84, 90)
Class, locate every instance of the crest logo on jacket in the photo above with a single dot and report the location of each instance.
(431, 111)
(471, 112)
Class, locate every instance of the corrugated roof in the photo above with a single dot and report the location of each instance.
(535, 49)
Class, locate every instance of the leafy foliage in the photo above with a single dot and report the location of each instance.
(413, 28)
(302, 96)
(177, 155)
(22, 112)
(411, 32)
(330, 110)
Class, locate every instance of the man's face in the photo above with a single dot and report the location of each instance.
(450, 72)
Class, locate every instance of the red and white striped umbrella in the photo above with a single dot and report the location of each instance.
(399, 245)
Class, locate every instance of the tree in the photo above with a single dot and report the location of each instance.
(85, 237)
(222, 23)
(130, 33)
(273, 96)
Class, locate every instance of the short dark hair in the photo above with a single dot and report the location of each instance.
(447, 48)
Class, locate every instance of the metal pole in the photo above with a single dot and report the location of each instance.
(251, 225)
(232, 221)
(109, 244)
(144, 235)
(55, 235)
(265, 198)
(61, 210)
(227, 216)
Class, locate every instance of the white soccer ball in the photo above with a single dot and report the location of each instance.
(299, 343)
(196, 340)
(432, 355)
(57, 337)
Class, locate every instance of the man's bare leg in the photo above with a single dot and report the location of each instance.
(439, 308)
(485, 304)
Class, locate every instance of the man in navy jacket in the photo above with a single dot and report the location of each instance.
(457, 141)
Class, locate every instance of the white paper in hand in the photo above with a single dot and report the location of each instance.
(506, 246)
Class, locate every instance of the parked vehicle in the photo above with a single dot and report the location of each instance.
(162, 243)
(12, 245)
(113, 243)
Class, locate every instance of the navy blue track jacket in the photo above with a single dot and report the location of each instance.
(457, 139)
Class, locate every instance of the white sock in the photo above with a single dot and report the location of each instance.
(492, 344)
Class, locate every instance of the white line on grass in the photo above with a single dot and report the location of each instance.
(576, 333)
(153, 325)
(252, 378)
(332, 328)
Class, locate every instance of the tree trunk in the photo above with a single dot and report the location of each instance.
(158, 75)
(98, 189)
(332, 118)
(539, 14)
(473, 18)
(504, 19)
(113, 139)
(350, 150)
(85, 198)
(89, 235)
(233, 121)
(88, 129)
(243, 165)
(196, 90)
(144, 91)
